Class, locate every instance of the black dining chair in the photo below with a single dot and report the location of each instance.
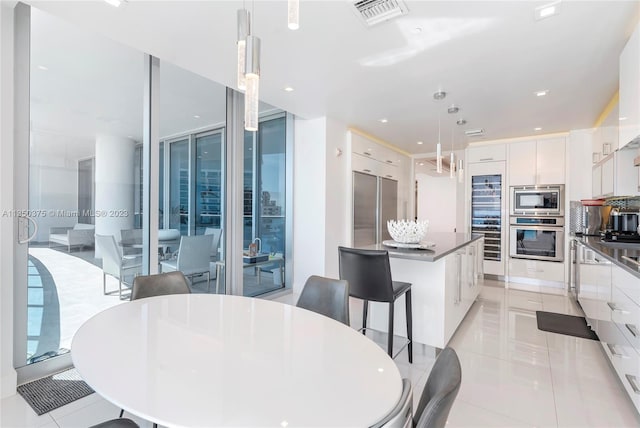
(369, 275)
(117, 423)
(440, 391)
(326, 296)
(161, 284)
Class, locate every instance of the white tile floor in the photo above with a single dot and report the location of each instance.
(513, 375)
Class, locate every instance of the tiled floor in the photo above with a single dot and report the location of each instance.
(513, 375)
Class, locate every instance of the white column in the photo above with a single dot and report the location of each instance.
(114, 190)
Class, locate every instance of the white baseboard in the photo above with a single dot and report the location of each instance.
(8, 383)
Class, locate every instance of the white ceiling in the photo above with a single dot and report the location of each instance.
(489, 56)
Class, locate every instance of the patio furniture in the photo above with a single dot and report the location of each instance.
(215, 243)
(326, 296)
(194, 255)
(80, 235)
(131, 241)
(114, 263)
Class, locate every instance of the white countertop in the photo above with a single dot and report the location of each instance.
(211, 360)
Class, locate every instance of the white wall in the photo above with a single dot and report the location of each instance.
(579, 163)
(8, 377)
(308, 200)
(337, 199)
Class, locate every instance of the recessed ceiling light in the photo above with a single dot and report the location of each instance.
(547, 10)
(384, 120)
(421, 163)
(541, 93)
(439, 95)
(288, 89)
(420, 142)
(42, 67)
(622, 118)
(196, 116)
(537, 129)
(380, 369)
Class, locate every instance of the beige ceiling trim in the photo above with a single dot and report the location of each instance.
(607, 110)
(378, 140)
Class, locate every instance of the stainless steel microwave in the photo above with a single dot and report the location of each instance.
(538, 200)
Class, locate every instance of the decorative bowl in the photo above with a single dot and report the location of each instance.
(407, 231)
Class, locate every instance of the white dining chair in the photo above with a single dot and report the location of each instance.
(114, 263)
(194, 255)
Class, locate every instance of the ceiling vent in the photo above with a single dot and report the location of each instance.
(373, 12)
(474, 132)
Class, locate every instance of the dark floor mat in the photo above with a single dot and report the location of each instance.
(51, 392)
(565, 324)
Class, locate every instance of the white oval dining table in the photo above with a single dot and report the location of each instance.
(197, 360)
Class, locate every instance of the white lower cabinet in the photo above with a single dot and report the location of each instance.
(547, 273)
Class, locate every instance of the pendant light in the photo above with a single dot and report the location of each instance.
(252, 77)
(243, 31)
(293, 14)
(460, 122)
(439, 151)
(252, 80)
(452, 159)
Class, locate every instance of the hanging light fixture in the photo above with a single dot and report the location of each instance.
(252, 77)
(244, 30)
(452, 159)
(293, 9)
(439, 151)
(460, 122)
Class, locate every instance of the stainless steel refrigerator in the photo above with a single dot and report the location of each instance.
(375, 200)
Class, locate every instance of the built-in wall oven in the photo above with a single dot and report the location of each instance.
(537, 237)
(541, 200)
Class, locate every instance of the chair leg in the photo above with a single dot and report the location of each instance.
(365, 309)
(407, 302)
(104, 283)
(121, 413)
(390, 338)
(208, 282)
(120, 286)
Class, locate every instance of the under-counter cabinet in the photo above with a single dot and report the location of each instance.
(537, 162)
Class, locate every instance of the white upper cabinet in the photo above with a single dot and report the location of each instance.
(550, 161)
(488, 153)
(537, 162)
(629, 110)
(522, 165)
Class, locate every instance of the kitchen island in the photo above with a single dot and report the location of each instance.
(445, 280)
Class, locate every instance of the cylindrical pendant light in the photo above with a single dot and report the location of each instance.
(244, 29)
(293, 14)
(439, 151)
(252, 77)
(452, 165)
(460, 171)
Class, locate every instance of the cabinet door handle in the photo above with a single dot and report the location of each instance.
(612, 349)
(367, 153)
(389, 161)
(633, 381)
(486, 159)
(459, 288)
(615, 308)
(633, 329)
(389, 176)
(366, 170)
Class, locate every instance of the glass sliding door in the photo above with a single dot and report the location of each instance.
(192, 122)
(179, 186)
(85, 114)
(264, 205)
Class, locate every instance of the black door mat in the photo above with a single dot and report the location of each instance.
(51, 392)
(570, 325)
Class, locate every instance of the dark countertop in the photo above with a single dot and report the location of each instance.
(446, 243)
(613, 251)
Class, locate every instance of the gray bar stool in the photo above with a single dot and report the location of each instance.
(369, 275)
